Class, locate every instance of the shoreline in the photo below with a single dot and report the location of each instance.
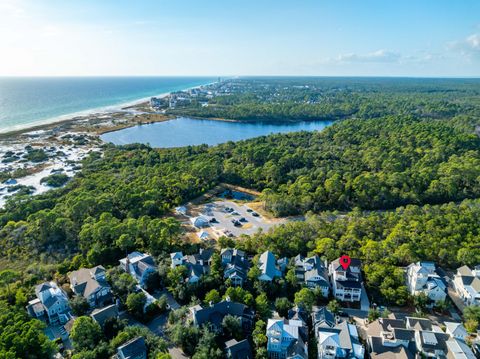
(126, 108)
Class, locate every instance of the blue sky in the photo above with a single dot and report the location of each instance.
(230, 37)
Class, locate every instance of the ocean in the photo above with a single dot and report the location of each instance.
(31, 101)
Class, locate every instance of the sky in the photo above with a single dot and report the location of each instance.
(424, 38)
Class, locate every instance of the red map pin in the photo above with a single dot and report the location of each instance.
(345, 261)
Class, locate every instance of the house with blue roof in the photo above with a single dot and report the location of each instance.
(268, 267)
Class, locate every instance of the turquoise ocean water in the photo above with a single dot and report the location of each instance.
(26, 102)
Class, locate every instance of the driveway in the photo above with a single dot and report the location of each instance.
(170, 299)
(157, 325)
(176, 353)
(455, 298)
(364, 302)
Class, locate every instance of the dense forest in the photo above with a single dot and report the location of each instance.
(391, 185)
(310, 98)
(116, 203)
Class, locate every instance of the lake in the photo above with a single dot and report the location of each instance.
(186, 131)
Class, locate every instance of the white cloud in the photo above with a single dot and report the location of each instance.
(470, 46)
(377, 56)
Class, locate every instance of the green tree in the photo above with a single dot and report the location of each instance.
(212, 297)
(136, 304)
(262, 306)
(373, 314)
(471, 325)
(232, 327)
(79, 305)
(85, 333)
(282, 306)
(305, 299)
(334, 306)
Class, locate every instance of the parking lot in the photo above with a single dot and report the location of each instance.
(227, 212)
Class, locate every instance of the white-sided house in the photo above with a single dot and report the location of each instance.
(51, 304)
(346, 284)
(268, 267)
(423, 278)
(91, 284)
(467, 285)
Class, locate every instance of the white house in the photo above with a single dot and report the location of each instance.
(467, 285)
(423, 278)
(346, 283)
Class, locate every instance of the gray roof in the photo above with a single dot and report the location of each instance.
(42, 287)
(214, 314)
(419, 323)
(354, 262)
(239, 350)
(134, 348)
(432, 341)
(322, 317)
(404, 334)
(101, 315)
(84, 283)
(379, 351)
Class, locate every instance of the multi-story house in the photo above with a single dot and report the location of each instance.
(313, 272)
(467, 285)
(197, 264)
(391, 336)
(268, 267)
(416, 337)
(235, 265)
(287, 339)
(213, 315)
(346, 283)
(51, 304)
(91, 284)
(139, 265)
(335, 340)
(423, 278)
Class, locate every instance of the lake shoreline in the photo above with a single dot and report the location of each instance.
(195, 131)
